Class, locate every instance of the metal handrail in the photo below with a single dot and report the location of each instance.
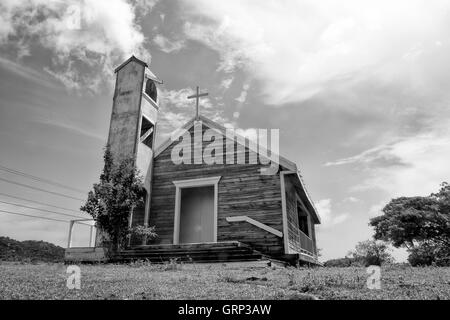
(80, 221)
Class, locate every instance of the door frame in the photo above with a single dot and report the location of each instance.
(192, 183)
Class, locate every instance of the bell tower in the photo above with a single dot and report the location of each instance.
(133, 122)
(135, 109)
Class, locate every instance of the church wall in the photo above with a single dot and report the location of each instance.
(242, 191)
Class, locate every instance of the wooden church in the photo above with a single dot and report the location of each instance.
(206, 212)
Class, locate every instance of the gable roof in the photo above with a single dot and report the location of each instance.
(132, 58)
(150, 75)
(288, 165)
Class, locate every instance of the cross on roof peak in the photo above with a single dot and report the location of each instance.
(197, 96)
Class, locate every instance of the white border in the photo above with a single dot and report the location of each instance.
(180, 184)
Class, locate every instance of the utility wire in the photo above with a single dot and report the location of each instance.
(39, 189)
(29, 215)
(37, 202)
(23, 174)
(39, 217)
(34, 208)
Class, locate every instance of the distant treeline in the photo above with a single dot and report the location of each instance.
(345, 262)
(29, 251)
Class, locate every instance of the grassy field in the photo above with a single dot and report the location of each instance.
(143, 281)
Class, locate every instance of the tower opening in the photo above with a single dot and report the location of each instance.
(146, 132)
(150, 90)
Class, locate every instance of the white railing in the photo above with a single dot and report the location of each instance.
(91, 234)
(306, 243)
(256, 224)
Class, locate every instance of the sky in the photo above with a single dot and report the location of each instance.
(357, 88)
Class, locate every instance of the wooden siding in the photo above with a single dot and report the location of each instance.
(242, 191)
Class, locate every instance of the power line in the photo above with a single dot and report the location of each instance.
(34, 208)
(37, 202)
(29, 215)
(23, 174)
(39, 189)
(39, 217)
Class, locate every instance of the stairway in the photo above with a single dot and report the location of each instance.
(231, 251)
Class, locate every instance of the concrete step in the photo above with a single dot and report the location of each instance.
(199, 259)
(198, 252)
(181, 252)
(190, 246)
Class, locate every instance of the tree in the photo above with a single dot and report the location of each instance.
(111, 201)
(420, 224)
(371, 252)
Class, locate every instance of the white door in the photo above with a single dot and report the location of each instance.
(197, 215)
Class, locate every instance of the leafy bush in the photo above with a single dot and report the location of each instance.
(112, 200)
(371, 252)
(143, 232)
(428, 254)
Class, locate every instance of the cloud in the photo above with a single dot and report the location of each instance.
(25, 72)
(298, 49)
(408, 167)
(178, 110)
(249, 133)
(166, 45)
(351, 200)
(324, 208)
(226, 83)
(179, 99)
(70, 126)
(381, 154)
(86, 38)
(243, 96)
(216, 36)
(376, 209)
(144, 7)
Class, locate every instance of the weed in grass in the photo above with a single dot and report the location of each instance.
(229, 279)
(173, 265)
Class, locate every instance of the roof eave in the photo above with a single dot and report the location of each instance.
(311, 205)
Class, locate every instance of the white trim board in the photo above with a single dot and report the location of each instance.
(284, 212)
(256, 224)
(308, 217)
(302, 183)
(192, 183)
